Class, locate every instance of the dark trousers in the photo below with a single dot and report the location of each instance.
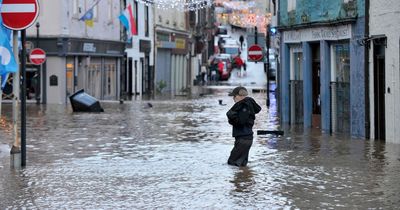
(240, 152)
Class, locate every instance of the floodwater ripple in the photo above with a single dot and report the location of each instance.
(173, 156)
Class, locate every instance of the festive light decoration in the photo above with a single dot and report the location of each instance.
(182, 5)
(245, 14)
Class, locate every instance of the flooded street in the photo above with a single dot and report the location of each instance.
(173, 156)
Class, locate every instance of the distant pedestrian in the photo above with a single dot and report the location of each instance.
(203, 75)
(241, 116)
(220, 67)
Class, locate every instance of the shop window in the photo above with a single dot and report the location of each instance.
(298, 67)
(77, 8)
(110, 81)
(110, 11)
(70, 76)
(93, 80)
(342, 63)
(146, 21)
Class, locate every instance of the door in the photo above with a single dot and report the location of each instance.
(379, 89)
(340, 88)
(110, 79)
(316, 86)
(163, 71)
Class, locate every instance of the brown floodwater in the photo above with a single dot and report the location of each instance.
(173, 156)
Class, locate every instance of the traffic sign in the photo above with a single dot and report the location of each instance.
(255, 53)
(19, 14)
(37, 56)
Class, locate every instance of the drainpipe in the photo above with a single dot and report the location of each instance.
(366, 71)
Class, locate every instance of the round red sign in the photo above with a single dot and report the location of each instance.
(37, 56)
(255, 53)
(19, 14)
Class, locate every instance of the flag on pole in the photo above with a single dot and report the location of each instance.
(128, 20)
(7, 61)
(89, 15)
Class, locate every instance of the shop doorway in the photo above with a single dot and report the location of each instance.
(379, 88)
(316, 86)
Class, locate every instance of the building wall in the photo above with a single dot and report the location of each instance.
(133, 50)
(318, 11)
(63, 35)
(171, 18)
(171, 40)
(323, 31)
(61, 18)
(56, 94)
(384, 20)
(357, 78)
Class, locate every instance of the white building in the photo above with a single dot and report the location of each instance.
(384, 77)
(140, 53)
(172, 52)
(79, 55)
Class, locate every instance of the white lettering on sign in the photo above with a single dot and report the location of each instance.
(315, 34)
(89, 47)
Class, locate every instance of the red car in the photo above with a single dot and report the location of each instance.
(224, 65)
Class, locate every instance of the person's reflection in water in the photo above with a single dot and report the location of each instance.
(243, 179)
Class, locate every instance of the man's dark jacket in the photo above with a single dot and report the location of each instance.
(242, 116)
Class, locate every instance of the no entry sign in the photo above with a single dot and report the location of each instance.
(19, 14)
(255, 53)
(37, 56)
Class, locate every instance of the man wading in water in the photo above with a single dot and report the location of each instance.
(241, 116)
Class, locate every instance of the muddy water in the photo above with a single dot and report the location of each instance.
(173, 156)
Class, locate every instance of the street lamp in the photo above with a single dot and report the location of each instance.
(268, 64)
(37, 92)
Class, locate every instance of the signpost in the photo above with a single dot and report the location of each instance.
(19, 15)
(37, 56)
(255, 53)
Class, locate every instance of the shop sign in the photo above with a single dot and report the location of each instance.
(89, 47)
(316, 34)
(180, 43)
(145, 46)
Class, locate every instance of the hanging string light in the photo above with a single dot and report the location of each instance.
(182, 5)
(245, 14)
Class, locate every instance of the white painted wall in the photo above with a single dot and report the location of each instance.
(170, 18)
(384, 20)
(61, 18)
(134, 51)
(56, 94)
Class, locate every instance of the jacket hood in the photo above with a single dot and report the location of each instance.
(250, 102)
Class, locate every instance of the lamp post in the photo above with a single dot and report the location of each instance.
(268, 64)
(23, 99)
(37, 92)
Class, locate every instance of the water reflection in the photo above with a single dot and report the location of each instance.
(243, 180)
(173, 156)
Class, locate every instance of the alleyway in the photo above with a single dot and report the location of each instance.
(173, 156)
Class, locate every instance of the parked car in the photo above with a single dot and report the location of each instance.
(225, 73)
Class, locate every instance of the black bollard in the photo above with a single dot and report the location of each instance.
(220, 102)
(265, 132)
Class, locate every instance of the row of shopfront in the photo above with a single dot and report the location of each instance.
(108, 70)
(322, 82)
(73, 64)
